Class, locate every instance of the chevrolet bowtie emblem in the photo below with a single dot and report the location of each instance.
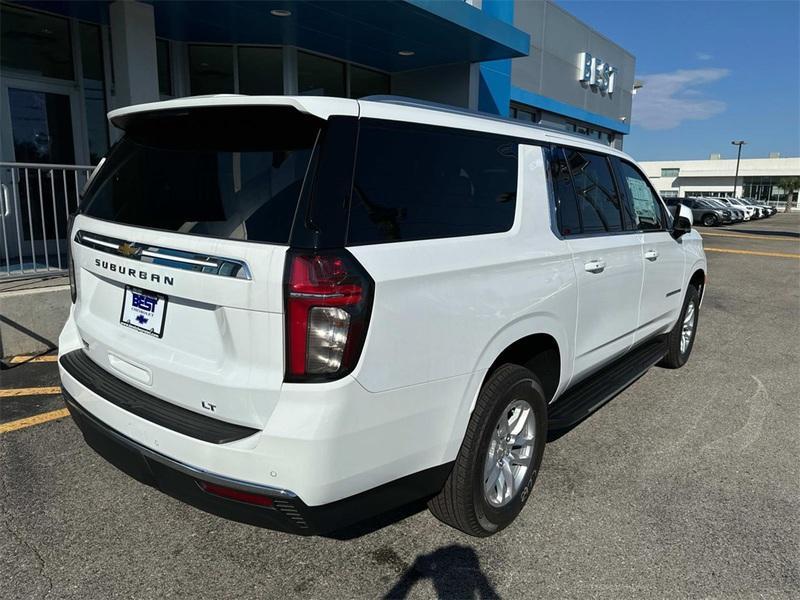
(127, 250)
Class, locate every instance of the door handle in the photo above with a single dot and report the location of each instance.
(651, 254)
(595, 266)
(4, 206)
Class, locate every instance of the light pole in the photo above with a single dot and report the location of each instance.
(739, 143)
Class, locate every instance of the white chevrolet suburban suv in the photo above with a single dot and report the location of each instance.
(301, 312)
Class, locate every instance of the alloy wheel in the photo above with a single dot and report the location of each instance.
(510, 453)
(687, 329)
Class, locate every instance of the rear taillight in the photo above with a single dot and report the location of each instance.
(328, 298)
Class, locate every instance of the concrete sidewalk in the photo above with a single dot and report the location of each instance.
(32, 313)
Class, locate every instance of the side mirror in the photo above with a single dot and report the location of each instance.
(683, 221)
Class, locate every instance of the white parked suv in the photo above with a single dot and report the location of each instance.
(300, 312)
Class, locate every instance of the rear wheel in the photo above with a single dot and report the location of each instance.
(681, 338)
(710, 220)
(500, 456)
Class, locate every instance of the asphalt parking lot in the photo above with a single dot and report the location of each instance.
(685, 485)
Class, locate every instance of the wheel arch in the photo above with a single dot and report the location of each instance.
(538, 342)
(538, 352)
(698, 279)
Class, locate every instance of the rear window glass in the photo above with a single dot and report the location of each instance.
(569, 222)
(599, 202)
(414, 182)
(229, 173)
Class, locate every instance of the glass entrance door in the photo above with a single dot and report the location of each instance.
(36, 200)
(41, 126)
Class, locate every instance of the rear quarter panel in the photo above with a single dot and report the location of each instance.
(448, 307)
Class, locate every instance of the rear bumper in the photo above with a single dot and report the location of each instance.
(288, 513)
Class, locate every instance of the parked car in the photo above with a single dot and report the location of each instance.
(750, 212)
(764, 209)
(705, 212)
(300, 312)
(737, 213)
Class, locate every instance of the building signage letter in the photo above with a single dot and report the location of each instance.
(597, 73)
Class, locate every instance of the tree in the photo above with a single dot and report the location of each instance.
(789, 185)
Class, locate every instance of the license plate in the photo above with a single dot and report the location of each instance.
(144, 311)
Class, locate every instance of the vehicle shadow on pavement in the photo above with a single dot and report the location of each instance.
(454, 572)
(373, 524)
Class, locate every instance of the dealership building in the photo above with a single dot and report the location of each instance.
(758, 178)
(65, 64)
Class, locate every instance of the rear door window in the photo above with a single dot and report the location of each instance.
(566, 201)
(415, 182)
(598, 198)
(647, 213)
(229, 173)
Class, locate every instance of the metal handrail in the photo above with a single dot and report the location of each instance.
(45, 166)
(35, 204)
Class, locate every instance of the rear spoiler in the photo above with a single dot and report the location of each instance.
(317, 106)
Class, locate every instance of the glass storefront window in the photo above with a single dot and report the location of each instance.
(211, 70)
(94, 91)
(164, 69)
(763, 188)
(260, 71)
(364, 82)
(319, 76)
(41, 125)
(35, 44)
(524, 114)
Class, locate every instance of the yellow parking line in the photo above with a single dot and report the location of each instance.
(34, 420)
(751, 237)
(15, 360)
(753, 252)
(36, 391)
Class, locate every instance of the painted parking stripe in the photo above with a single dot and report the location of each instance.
(753, 252)
(15, 360)
(34, 391)
(34, 420)
(766, 238)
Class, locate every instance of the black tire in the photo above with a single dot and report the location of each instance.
(710, 220)
(675, 358)
(462, 503)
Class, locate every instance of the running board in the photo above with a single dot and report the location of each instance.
(587, 396)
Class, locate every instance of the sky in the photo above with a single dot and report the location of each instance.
(713, 72)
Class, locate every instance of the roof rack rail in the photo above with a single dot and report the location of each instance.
(448, 108)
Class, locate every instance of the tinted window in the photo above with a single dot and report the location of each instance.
(597, 195)
(164, 69)
(646, 206)
(260, 71)
(94, 91)
(35, 43)
(221, 172)
(566, 201)
(319, 76)
(364, 82)
(211, 70)
(417, 182)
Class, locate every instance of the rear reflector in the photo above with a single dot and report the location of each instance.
(234, 494)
